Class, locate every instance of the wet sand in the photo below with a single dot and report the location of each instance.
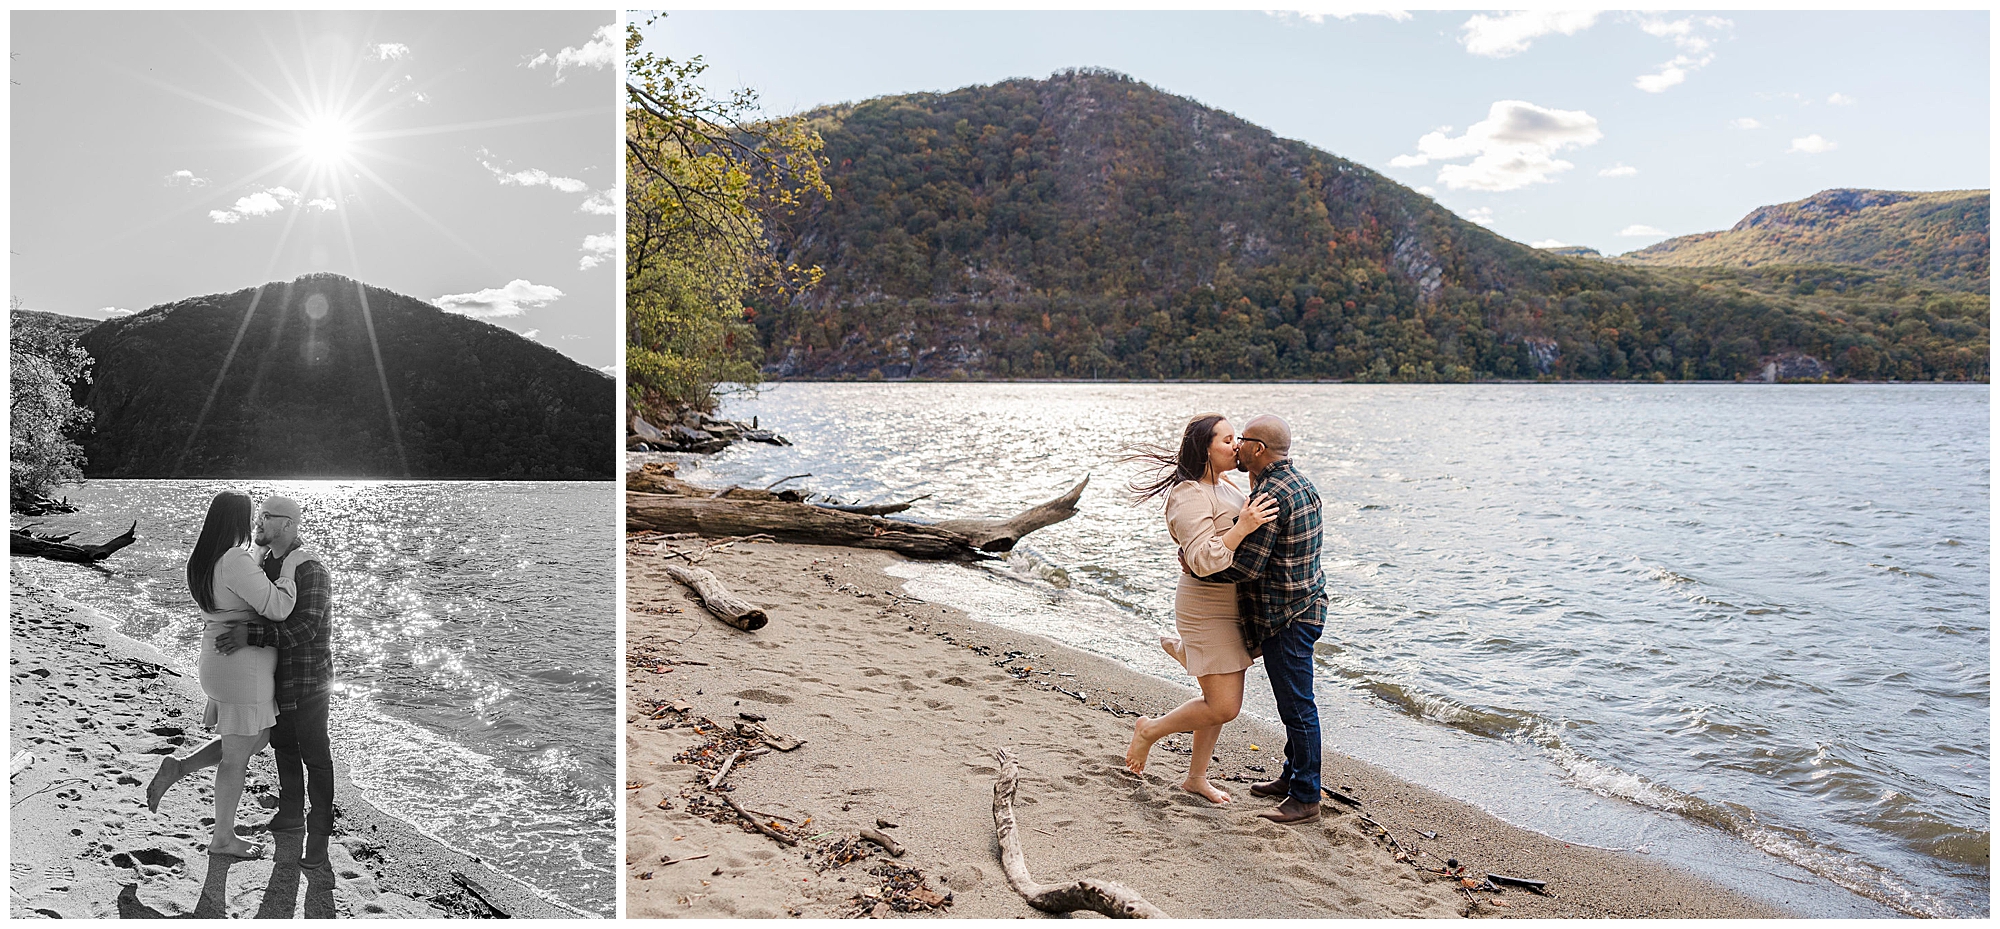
(901, 704)
(94, 711)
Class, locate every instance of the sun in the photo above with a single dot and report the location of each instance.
(324, 139)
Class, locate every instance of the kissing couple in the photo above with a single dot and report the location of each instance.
(267, 668)
(1250, 585)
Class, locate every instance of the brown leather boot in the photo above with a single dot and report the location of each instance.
(1278, 788)
(1292, 812)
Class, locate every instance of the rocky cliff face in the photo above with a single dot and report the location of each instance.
(328, 377)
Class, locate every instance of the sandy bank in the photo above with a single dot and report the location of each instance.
(901, 703)
(96, 711)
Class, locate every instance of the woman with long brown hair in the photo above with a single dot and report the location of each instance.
(1208, 518)
(229, 586)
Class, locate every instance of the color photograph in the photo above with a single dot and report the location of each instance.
(313, 333)
(1280, 465)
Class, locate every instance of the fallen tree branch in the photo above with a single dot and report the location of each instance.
(726, 606)
(27, 544)
(1109, 898)
(999, 535)
(665, 504)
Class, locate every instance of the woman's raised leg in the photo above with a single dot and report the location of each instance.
(173, 769)
(229, 774)
(1221, 699)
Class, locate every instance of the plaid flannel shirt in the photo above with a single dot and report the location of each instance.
(1276, 570)
(304, 640)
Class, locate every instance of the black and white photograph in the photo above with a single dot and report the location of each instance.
(313, 533)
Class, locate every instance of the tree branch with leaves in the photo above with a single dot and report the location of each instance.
(705, 179)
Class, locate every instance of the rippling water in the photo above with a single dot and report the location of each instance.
(1686, 620)
(474, 648)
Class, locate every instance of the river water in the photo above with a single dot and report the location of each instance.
(1744, 628)
(475, 648)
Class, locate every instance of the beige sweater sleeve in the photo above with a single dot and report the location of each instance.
(1197, 528)
(239, 572)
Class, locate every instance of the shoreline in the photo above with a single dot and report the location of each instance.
(848, 653)
(97, 710)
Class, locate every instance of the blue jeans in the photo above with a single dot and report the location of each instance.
(1288, 661)
(305, 764)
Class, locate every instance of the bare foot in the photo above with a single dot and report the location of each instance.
(235, 847)
(1135, 754)
(169, 772)
(1174, 649)
(1202, 788)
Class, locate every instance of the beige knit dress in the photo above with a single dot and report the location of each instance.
(1198, 515)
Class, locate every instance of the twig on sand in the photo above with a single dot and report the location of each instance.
(782, 838)
(1100, 896)
(888, 844)
(724, 771)
(1539, 887)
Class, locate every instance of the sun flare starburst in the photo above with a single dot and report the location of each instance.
(325, 139)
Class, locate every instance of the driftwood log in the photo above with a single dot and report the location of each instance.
(1107, 897)
(661, 503)
(58, 547)
(726, 606)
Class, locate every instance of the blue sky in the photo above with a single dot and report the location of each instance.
(1612, 130)
(469, 159)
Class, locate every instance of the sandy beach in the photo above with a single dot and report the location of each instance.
(93, 711)
(900, 705)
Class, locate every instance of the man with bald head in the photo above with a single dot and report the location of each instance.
(1281, 595)
(300, 740)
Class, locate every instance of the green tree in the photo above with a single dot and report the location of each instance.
(704, 178)
(43, 451)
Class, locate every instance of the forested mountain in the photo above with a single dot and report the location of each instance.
(1089, 225)
(1942, 237)
(304, 394)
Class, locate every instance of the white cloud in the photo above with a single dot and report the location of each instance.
(1514, 146)
(1320, 15)
(1620, 169)
(596, 248)
(1811, 145)
(1512, 33)
(601, 51)
(516, 298)
(1482, 215)
(532, 177)
(1746, 123)
(1428, 191)
(1549, 243)
(261, 203)
(1637, 230)
(114, 311)
(602, 203)
(532, 334)
(184, 176)
(1690, 37)
(389, 51)
(609, 369)
(1840, 100)
(323, 204)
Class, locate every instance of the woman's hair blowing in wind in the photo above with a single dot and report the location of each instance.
(1163, 468)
